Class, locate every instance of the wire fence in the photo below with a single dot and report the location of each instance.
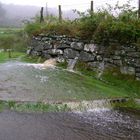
(66, 10)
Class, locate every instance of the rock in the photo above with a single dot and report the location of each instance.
(47, 46)
(77, 46)
(46, 39)
(86, 57)
(93, 64)
(133, 54)
(35, 53)
(116, 57)
(55, 52)
(63, 46)
(70, 54)
(137, 69)
(60, 59)
(127, 70)
(90, 48)
(117, 62)
(138, 75)
(99, 58)
(46, 55)
(39, 47)
(28, 52)
(109, 60)
(129, 49)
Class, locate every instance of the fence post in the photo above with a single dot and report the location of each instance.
(92, 9)
(41, 15)
(47, 12)
(139, 9)
(60, 13)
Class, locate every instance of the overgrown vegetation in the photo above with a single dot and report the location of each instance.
(119, 23)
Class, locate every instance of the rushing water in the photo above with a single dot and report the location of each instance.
(94, 125)
(32, 82)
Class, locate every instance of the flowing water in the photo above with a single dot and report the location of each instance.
(34, 82)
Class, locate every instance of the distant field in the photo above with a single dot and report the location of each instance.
(7, 31)
(12, 38)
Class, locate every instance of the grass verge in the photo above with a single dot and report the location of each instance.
(4, 56)
(130, 106)
(32, 107)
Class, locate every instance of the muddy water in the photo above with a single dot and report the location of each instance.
(95, 125)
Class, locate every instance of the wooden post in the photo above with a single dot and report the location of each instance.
(92, 9)
(139, 9)
(47, 12)
(9, 53)
(41, 15)
(60, 13)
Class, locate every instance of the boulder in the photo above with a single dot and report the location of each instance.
(55, 52)
(60, 59)
(70, 54)
(90, 48)
(77, 46)
(47, 46)
(127, 70)
(86, 57)
(63, 46)
(99, 58)
(133, 54)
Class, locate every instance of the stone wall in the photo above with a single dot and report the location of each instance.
(64, 48)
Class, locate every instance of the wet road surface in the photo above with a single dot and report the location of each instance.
(96, 125)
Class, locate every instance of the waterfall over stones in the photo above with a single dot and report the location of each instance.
(72, 63)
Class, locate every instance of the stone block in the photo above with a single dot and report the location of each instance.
(127, 70)
(90, 48)
(77, 46)
(70, 53)
(86, 57)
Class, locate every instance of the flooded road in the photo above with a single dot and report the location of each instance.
(95, 125)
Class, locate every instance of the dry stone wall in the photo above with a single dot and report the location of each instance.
(125, 57)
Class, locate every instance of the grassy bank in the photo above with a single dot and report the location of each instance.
(130, 106)
(32, 107)
(112, 84)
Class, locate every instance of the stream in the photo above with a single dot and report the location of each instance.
(32, 82)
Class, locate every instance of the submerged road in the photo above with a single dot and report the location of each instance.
(97, 125)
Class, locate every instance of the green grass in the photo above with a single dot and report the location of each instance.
(4, 56)
(110, 85)
(13, 38)
(32, 59)
(131, 106)
(32, 107)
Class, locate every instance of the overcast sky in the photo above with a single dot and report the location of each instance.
(67, 4)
